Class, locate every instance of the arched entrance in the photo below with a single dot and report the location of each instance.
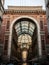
(25, 34)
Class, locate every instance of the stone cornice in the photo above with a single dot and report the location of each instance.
(24, 11)
(25, 7)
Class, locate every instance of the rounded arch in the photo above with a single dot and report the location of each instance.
(38, 33)
(31, 18)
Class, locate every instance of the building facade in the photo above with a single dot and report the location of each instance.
(47, 13)
(24, 29)
(1, 19)
(1, 10)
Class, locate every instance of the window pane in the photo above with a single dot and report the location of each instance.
(24, 24)
(32, 26)
(30, 32)
(17, 25)
(18, 29)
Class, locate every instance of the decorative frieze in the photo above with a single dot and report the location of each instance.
(23, 9)
(16, 11)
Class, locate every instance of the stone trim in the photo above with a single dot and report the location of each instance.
(38, 33)
(24, 11)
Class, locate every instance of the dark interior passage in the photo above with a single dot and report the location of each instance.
(24, 46)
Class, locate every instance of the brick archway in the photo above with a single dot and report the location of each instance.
(38, 34)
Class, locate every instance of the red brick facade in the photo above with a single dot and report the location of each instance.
(12, 14)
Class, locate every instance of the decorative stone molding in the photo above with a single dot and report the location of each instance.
(24, 9)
